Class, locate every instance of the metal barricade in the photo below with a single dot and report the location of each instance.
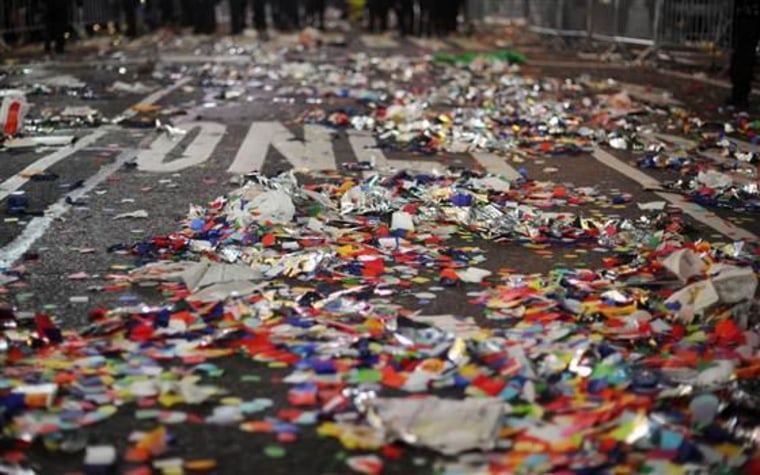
(565, 18)
(695, 23)
(20, 17)
(624, 21)
(653, 23)
(99, 12)
(502, 9)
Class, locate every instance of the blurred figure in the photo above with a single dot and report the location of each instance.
(315, 13)
(205, 20)
(405, 15)
(427, 20)
(378, 15)
(445, 17)
(259, 8)
(457, 6)
(57, 24)
(287, 15)
(746, 37)
(130, 16)
(167, 13)
(188, 16)
(238, 12)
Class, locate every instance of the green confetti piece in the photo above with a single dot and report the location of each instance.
(510, 56)
(250, 378)
(367, 375)
(147, 414)
(275, 451)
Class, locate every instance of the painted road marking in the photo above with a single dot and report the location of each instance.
(697, 212)
(713, 155)
(198, 151)
(314, 153)
(365, 149)
(432, 44)
(468, 44)
(18, 180)
(15, 182)
(39, 225)
(378, 41)
(203, 59)
(496, 165)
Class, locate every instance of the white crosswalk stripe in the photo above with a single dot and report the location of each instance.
(695, 211)
(378, 41)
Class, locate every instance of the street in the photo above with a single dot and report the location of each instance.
(566, 287)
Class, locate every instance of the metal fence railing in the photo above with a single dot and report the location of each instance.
(657, 24)
(696, 22)
(20, 16)
(503, 9)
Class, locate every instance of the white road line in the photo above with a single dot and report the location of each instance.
(469, 45)
(15, 182)
(713, 154)
(378, 41)
(39, 225)
(432, 44)
(364, 145)
(194, 59)
(697, 212)
(365, 149)
(315, 153)
(496, 165)
(197, 152)
(158, 95)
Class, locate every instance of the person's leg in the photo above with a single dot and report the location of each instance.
(130, 16)
(167, 13)
(743, 57)
(206, 21)
(372, 10)
(237, 16)
(424, 20)
(259, 15)
(438, 15)
(321, 8)
(401, 17)
(285, 15)
(382, 16)
(211, 11)
(456, 9)
(294, 14)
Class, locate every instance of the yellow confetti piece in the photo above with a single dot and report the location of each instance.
(203, 465)
(169, 400)
(231, 401)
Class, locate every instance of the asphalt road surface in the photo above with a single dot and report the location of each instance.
(101, 178)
